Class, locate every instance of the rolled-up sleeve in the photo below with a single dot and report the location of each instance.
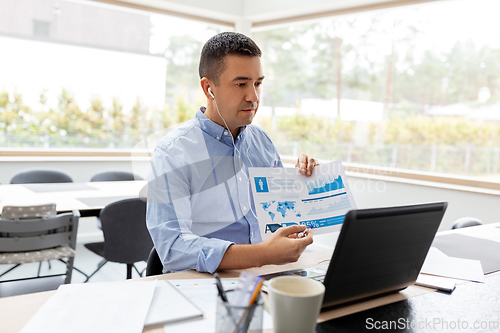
(169, 216)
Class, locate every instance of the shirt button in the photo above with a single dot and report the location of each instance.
(244, 207)
(252, 234)
(225, 132)
(218, 138)
(239, 179)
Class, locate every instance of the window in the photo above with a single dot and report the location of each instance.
(411, 87)
(81, 74)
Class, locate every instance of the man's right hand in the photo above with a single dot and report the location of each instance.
(284, 246)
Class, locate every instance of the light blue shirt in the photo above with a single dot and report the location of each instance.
(199, 196)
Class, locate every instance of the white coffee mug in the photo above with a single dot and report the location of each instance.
(295, 303)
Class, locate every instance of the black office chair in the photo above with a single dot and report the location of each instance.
(126, 237)
(112, 176)
(30, 176)
(155, 266)
(465, 222)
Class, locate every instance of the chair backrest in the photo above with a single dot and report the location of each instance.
(126, 237)
(26, 212)
(39, 233)
(112, 176)
(155, 266)
(40, 176)
(465, 222)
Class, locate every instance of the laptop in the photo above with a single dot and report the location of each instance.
(378, 251)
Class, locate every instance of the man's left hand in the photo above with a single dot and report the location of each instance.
(306, 164)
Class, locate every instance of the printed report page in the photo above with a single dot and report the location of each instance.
(283, 197)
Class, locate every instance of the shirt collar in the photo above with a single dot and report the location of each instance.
(215, 130)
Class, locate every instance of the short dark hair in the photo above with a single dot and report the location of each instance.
(216, 48)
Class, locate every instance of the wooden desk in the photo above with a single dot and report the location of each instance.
(88, 198)
(469, 302)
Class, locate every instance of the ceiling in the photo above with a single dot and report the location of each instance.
(254, 13)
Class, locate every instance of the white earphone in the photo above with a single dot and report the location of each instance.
(210, 92)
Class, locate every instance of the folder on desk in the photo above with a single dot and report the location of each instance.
(169, 305)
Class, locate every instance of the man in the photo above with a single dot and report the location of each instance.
(200, 212)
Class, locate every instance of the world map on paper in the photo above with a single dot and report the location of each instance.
(283, 209)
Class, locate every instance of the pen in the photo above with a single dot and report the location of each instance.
(247, 316)
(303, 233)
(223, 296)
(256, 291)
(220, 288)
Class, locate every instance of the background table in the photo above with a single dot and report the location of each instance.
(88, 198)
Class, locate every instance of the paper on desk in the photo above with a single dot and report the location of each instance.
(94, 307)
(203, 293)
(169, 305)
(307, 259)
(439, 282)
(484, 232)
(271, 269)
(438, 263)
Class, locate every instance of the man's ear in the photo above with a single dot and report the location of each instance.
(205, 85)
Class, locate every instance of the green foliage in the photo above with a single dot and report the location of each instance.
(69, 126)
(304, 128)
(417, 130)
(101, 125)
(184, 110)
(316, 130)
(116, 119)
(423, 130)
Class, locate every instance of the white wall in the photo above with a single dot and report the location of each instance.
(81, 169)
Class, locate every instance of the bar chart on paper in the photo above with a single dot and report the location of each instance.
(326, 183)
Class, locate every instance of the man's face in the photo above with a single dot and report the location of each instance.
(238, 92)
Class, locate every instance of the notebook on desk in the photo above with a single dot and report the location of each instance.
(169, 305)
(378, 251)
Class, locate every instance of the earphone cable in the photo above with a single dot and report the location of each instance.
(234, 161)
